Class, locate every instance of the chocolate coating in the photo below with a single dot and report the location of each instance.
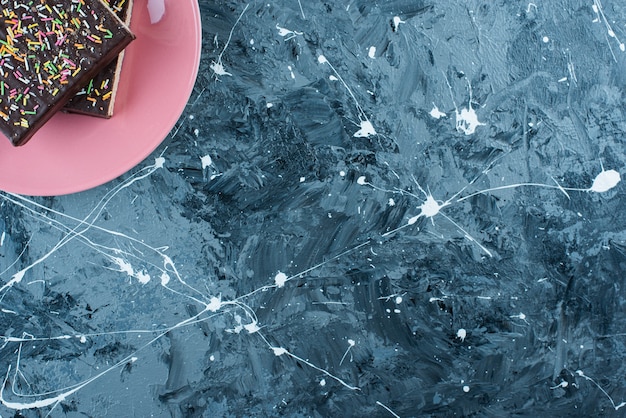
(49, 49)
(97, 98)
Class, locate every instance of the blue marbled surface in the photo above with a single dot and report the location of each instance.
(394, 208)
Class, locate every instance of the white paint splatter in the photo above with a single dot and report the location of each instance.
(366, 127)
(366, 130)
(142, 276)
(125, 266)
(217, 66)
(388, 409)
(280, 279)
(207, 161)
(467, 120)
(601, 17)
(252, 327)
(436, 113)
(396, 23)
(287, 33)
(430, 207)
(605, 181)
(215, 304)
(159, 162)
(521, 316)
(616, 407)
(278, 351)
(461, 334)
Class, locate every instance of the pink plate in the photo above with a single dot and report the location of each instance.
(72, 153)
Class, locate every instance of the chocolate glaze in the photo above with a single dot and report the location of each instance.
(49, 49)
(97, 98)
